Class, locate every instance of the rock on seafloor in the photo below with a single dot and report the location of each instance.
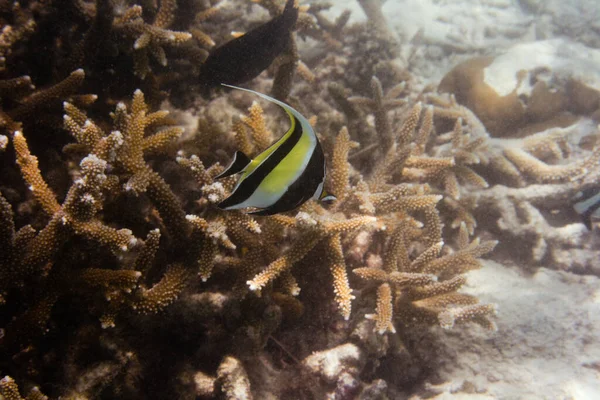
(547, 343)
(543, 82)
(330, 364)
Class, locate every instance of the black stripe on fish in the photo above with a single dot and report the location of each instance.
(303, 188)
(239, 162)
(247, 187)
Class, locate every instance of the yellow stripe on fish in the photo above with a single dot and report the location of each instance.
(285, 175)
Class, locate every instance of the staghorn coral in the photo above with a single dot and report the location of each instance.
(526, 159)
(10, 391)
(325, 231)
(44, 256)
(126, 147)
(104, 38)
(379, 47)
(534, 180)
(425, 287)
(528, 216)
(413, 155)
(323, 29)
(313, 233)
(380, 105)
(78, 215)
(22, 27)
(321, 232)
(237, 301)
(150, 38)
(21, 102)
(377, 20)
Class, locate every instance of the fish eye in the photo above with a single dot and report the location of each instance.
(329, 199)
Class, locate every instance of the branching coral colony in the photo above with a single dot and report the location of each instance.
(316, 236)
(536, 180)
(114, 255)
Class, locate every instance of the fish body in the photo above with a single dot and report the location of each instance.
(245, 57)
(588, 205)
(284, 176)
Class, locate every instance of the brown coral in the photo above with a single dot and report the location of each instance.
(150, 38)
(130, 240)
(425, 287)
(80, 215)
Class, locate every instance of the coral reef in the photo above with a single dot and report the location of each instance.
(534, 180)
(119, 276)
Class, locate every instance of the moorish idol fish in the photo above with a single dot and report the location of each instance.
(588, 205)
(284, 176)
(245, 57)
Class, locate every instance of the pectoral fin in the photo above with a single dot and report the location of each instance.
(239, 162)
